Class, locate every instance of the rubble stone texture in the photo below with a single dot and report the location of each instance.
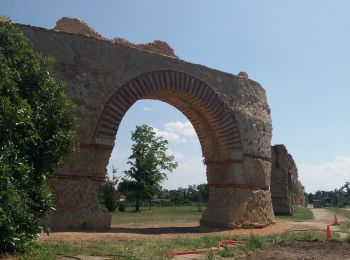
(286, 190)
(157, 46)
(229, 113)
(73, 25)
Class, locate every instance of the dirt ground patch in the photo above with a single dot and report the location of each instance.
(304, 250)
(192, 229)
(156, 232)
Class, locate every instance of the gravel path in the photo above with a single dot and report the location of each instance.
(325, 216)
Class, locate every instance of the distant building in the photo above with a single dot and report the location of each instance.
(122, 198)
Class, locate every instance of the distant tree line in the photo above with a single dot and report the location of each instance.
(336, 198)
(111, 197)
(183, 196)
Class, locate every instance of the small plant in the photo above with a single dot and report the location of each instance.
(122, 206)
(211, 255)
(228, 252)
(108, 193)
(347, 230)
(255, 242)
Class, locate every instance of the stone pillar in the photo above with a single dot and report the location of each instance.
(74, 186)
(287, 191)
(239, 195)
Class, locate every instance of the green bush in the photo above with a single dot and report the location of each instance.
(36, 133)
(122, 206)
(108, 192)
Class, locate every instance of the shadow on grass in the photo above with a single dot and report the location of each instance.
(165, 230)
(153, 230)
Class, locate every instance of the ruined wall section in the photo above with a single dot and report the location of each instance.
(286, 190)
(160, 47)
(73, 25)
(96, 69)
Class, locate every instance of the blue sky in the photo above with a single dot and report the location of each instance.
(297, 50)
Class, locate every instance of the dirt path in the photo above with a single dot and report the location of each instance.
(326, 216)
(323, 218)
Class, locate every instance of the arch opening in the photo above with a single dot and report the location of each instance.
(169, 123)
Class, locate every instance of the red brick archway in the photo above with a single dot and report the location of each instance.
(214, 124)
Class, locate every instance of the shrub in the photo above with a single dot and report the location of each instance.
(255, 242)
(108, 193)
(122, 206)
(36, 133)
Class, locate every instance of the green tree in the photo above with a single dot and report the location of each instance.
(203, 190)
(36, 133)
(108, 192)
(149, 163)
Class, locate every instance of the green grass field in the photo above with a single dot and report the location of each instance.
(157, 215)
(300, 214)
(160, 249)
(157, 248)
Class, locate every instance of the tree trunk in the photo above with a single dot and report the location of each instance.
(137, 205)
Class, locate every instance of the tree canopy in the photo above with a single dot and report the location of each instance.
(149, 164)
(36, 133)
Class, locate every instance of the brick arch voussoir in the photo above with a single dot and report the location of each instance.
(224, 126)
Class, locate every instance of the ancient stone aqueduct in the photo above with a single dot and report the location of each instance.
(106, 77)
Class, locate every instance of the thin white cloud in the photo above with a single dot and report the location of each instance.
(170, 136)
(176, 131)
(183, 166)
(328, 176)
(181, 128)
(146, 109)
(177, 154)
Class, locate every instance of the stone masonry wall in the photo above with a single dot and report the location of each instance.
(230, 114)
(286, 190)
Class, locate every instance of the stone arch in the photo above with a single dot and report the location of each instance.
(230, 115)
(239, 195)
(215, 125)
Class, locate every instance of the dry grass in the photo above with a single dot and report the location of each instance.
(157, 215)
